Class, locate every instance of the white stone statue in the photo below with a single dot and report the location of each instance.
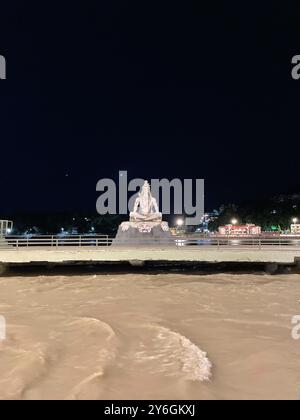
(145, 222)
(145, 207)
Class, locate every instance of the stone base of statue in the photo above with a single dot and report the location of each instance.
(145, 232)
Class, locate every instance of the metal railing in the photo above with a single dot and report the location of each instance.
(97, 241)
(56, 241)
(255, 242)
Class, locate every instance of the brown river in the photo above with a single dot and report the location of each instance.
(146, 336)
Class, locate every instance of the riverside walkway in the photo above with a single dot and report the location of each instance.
(98, 250)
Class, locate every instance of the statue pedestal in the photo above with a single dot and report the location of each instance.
(144, 233)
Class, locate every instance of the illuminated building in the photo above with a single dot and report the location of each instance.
(240, 230)
(295, 228)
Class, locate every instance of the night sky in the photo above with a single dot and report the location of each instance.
(189, 89)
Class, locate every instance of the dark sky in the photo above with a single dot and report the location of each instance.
(190, 89)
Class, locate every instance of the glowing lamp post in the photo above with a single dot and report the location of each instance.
(179, 224)
(295, 227)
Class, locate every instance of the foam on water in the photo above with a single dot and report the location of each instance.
(29, 366)
(163, 351)
(194, 361)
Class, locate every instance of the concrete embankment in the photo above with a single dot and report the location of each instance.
(271, 258)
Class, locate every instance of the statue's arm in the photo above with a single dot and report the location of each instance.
(136, 205)
(155, 206)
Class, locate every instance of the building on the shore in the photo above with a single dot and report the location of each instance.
(6, 227)
(240, 230)
(295, 229)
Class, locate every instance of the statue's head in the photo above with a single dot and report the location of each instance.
(146, 186)
(145, 190)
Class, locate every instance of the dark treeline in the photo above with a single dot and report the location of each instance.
(274, 213)
(54, 223)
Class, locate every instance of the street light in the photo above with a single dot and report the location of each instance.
(295, 220)
(234, 221)
(179, 222)
(179, 226)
